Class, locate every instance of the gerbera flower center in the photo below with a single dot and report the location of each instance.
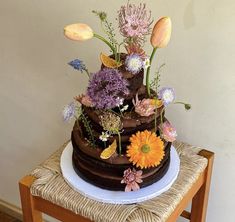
(145, 148)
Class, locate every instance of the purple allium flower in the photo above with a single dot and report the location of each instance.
(106, 87)
(69, 111)
(134, 21)
(78, 65)
(134, 63)
(167, 95)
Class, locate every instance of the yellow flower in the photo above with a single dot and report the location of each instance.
(78, 32)
(156, 102)
(146, 149)
(161, 33)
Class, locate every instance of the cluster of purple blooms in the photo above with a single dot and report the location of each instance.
(106, 87)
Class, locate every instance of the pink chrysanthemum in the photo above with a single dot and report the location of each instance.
(134, 21)
(131, 178)
(168, 132)
(144, 107)
(84, 100)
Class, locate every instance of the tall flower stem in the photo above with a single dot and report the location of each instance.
(161, 115)
(87, 72)
(114, 50)
(186, 105)
(148, 71)
(155, 120)
(119, 142)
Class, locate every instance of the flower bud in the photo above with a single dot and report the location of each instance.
(161, 33)
(78, 32)
(187, 106)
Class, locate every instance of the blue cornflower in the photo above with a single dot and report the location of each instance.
(134, 63)
(167, 95)
(78, 65)
(69, 111)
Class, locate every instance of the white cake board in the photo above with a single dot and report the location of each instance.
(117, 197)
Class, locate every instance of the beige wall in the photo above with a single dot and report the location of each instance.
(35, 82)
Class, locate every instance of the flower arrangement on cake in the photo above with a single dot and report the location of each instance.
(121, 138)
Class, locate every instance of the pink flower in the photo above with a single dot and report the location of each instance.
(84, 100)
(131, 178)
(144, 107)
(134, 21)
(135, 48)
(168, 132)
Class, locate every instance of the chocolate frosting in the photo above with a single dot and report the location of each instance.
(108, 173)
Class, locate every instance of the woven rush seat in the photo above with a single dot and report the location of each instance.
(51, 186)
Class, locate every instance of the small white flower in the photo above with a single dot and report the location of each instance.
(134, 63)
(146, 63)
(119, 101)
(124, 108)
(104, 136)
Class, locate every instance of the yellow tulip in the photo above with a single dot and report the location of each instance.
(161, 33)
(78, 32)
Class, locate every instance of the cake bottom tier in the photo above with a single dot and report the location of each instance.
(108, 176)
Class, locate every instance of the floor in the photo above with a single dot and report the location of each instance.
(7, 218)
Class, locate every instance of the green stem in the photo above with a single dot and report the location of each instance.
(161, 115)
(148, 71)
(114, 112)
(187, 106)
(178, 102)
(88, 128)
(119, 142)
(155, 121)
(155, 118)
(106, 42)
(88, 74)
(120, 111)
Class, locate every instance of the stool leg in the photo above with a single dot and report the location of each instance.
(30, 214)
(200, 200)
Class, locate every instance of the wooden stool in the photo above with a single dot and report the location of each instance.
(34, 206)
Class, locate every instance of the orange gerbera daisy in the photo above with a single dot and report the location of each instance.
(146, 149)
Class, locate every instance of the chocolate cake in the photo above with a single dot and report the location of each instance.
(108, 173)
(121, 139)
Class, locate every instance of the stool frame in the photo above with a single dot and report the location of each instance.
(34, 206)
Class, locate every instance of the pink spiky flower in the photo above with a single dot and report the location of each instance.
(134, 21)
(135, 48)
(131, 178)
(144, 107)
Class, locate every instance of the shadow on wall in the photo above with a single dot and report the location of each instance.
(189, 16)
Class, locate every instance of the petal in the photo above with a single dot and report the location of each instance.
(135, 186)
(128, 188)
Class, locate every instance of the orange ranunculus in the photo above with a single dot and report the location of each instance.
(161, 33)
(146, 149)
(78, 32)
